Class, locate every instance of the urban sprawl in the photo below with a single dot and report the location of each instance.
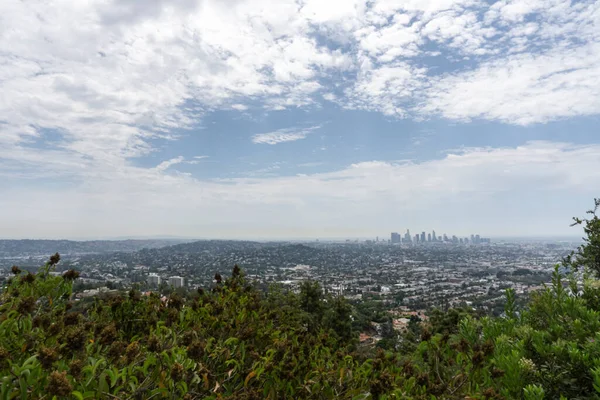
(406, 276)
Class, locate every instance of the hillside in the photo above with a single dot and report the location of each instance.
(232, 341)
(18, 248)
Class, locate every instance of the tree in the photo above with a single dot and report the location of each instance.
(389, 337)
(399, 298)
(338, 319)
(447, 321)
(311, 296)
(588, 254)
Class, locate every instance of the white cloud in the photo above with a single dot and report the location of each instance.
(163, 166)
(283, 135)
(270, 170)
(335, 11)
(473, 189)
(278, 137)
(121, 76)
(523, 72)
(389, 42)
(513, 11)
(124, 74)
(387, 89)
(522, 89)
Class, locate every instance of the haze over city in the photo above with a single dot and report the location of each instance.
(297, 118)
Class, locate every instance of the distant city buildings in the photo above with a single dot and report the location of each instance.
(423, 237)
(176, 281)
(153, 279)
(423, 275)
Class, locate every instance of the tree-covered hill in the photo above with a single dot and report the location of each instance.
(232, 341)
(33, 247)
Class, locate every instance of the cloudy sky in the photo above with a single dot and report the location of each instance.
(297, 118)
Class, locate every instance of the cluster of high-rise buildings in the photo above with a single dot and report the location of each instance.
(155, 280)
(423, 237)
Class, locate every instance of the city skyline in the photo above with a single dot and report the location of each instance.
(431, 237)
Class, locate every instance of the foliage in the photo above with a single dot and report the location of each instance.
(588, 254)
(230, 342)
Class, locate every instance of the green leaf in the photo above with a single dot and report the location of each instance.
(77, 395)
(29, 361)
(102, 384)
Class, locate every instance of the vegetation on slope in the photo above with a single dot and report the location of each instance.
(235, 342)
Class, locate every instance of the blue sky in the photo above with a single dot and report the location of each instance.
(297, 118)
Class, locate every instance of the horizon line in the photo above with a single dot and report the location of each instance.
(275, 239)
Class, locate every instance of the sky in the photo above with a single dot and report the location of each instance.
(269, 119)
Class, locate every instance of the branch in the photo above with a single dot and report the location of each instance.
(459, 386)
(111, 395)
